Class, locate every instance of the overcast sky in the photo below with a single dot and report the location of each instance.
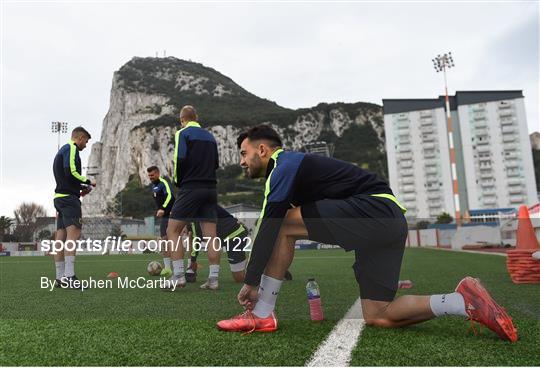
(58, 60)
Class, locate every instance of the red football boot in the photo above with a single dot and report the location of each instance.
(248, 322)
(481, 308)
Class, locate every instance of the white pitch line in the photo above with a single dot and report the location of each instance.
(336, 350)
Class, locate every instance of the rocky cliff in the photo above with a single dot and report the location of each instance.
(138, 130)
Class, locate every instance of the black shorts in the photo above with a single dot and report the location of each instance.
(235, 248)
(163, 226)
(374, 227)
(195, 205)
(69, 212)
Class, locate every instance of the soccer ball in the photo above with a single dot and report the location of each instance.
(154, 268)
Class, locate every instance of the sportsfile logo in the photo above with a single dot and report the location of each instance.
(117, 244)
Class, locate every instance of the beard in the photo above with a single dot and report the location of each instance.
(255, 170)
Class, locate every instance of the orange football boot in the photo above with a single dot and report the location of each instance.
(247, 322)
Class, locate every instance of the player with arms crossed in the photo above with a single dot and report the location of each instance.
(70, 185)
(335, 202)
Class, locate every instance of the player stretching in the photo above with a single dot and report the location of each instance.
(195, 165)
(164, 198)
(69, 183)
(335, 202)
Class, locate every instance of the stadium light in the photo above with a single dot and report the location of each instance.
(441, 63)
(59, 127)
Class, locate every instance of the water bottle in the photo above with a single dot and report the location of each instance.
(314, 300)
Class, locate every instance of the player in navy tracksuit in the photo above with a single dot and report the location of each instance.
(69, 184)
(195, 164)
(336, 202)
(164, 199)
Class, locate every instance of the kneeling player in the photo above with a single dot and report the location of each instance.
(233, 237)
(335, 202)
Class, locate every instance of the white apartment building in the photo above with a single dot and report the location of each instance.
(493, 154)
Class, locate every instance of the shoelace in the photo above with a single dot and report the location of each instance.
(248, 313)
(472, 326)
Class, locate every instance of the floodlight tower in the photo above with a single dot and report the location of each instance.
(441, 63)
(59, 127)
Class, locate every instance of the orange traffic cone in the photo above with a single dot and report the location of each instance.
(526, 238)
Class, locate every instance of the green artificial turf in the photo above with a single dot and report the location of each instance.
(150, 327)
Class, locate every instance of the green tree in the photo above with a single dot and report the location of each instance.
(444, 218)
(5, 225)
(43, 234)
(420, 225)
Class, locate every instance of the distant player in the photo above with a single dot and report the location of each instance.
(70, 185)
(234, 239)
(164, 199)
(195, 164)
(335, 202)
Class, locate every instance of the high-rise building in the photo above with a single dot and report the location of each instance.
(492, 149)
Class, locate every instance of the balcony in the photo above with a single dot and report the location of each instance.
(426, 130)
(485, 165)
(512, 173)
(404, 156)
(515, 190)
(502, 105)
(406, 164)
(486, 175)
(517, 198)
(426, 122)
(508, 129)
(482, 148)
(515, 181)
(511, 155)
(429, 153)
(429, 146)
(487, 183)
(409, 197)
(407, 188)
(481, 132)
(428, 138)
(506, 113)
(403, 125)
(507, 121)
(429, 163)
(434, 196)
(508, 138)
(480, 123)
(509, 147)
(407, 180)
(431, 170)
(433, 188)
(426, 114)
(482, 141)
(511, 163)
(489, 192)
(489, 201)
(478, 109)
(408, 172)
(434, 204)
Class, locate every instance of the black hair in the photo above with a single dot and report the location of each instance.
(260, 132)
(152, 168)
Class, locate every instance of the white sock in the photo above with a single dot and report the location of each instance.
(60, 268)
(214, 271)
(166, 262)
(268, 292)
(448, 304)
(178, 269)
(70, 266)
(189, 262)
